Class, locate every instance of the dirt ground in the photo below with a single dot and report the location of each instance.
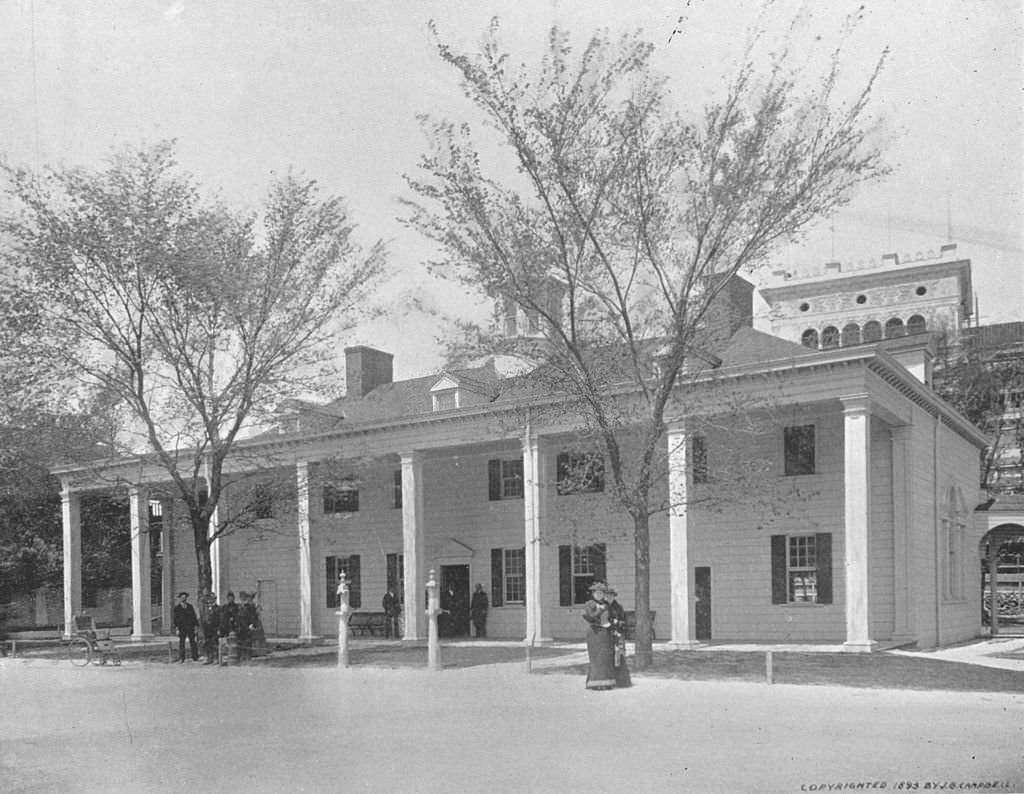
(157, 727)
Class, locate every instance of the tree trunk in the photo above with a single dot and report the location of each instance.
(204, 568)
(642, 589)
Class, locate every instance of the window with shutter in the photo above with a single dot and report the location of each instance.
(802, 568)
(578, 568)
(504, 479)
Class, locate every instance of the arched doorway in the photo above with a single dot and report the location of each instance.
(1002, 565)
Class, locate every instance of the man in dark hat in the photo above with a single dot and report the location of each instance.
(185, 622)
(211, 629)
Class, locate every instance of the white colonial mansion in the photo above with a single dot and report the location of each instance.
(876, 543)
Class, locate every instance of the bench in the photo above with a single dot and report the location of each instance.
(631, 624)
(366, 623)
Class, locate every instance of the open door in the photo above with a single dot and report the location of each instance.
(454, 620)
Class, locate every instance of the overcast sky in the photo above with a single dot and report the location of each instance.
(250, 88)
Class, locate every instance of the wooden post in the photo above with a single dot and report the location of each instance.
(344, 610)
(529, 653)
(433, 644)
(769, 671)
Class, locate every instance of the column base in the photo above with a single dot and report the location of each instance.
(685, 645)
(859, 647)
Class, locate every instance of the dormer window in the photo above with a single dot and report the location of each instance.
(446, 400)
(444, 394)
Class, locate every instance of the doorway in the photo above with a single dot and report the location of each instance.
(702, 608)
(454, 620)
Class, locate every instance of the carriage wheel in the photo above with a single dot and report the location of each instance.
(79, 652)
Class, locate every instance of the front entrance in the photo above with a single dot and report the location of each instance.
(702, 609)
(454, 619)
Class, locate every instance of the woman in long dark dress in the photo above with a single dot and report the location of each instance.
(605, 644)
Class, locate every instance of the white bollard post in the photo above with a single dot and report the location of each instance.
(433, 644)
(344, 610)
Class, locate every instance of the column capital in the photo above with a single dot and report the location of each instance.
(854, 404)
(411, 458)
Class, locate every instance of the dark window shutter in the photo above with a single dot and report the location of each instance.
(355, 589)
(600, 552)
(332, 583)
(497, 578)
(779, 595)
(823, 549)
(494, 479)
(565, 576)
(391, 575)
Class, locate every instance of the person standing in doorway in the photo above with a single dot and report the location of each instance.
(392, 608)
(185, 622)
(478, 605)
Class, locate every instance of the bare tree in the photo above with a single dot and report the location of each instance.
(623, 222)
(980, 372)
(194, 321)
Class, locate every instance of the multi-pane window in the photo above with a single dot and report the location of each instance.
(396, 489)
(798, 442)
(578, 568)
(350, 566)
(580, 472)
(508, 576)
(700, 459)
(802, 569)
(505, 479)
(341, 498)
(514, 578)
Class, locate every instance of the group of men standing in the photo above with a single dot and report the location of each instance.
(219, 621)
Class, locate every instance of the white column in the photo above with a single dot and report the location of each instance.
(168, 527)
(680, 484)
(413, 544)
(305, 554)
(857, 501)
(904, 626)
(534, 509)
(142, 597)
(71, 518)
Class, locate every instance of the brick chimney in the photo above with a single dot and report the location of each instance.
(732, 308)
(366, 369)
